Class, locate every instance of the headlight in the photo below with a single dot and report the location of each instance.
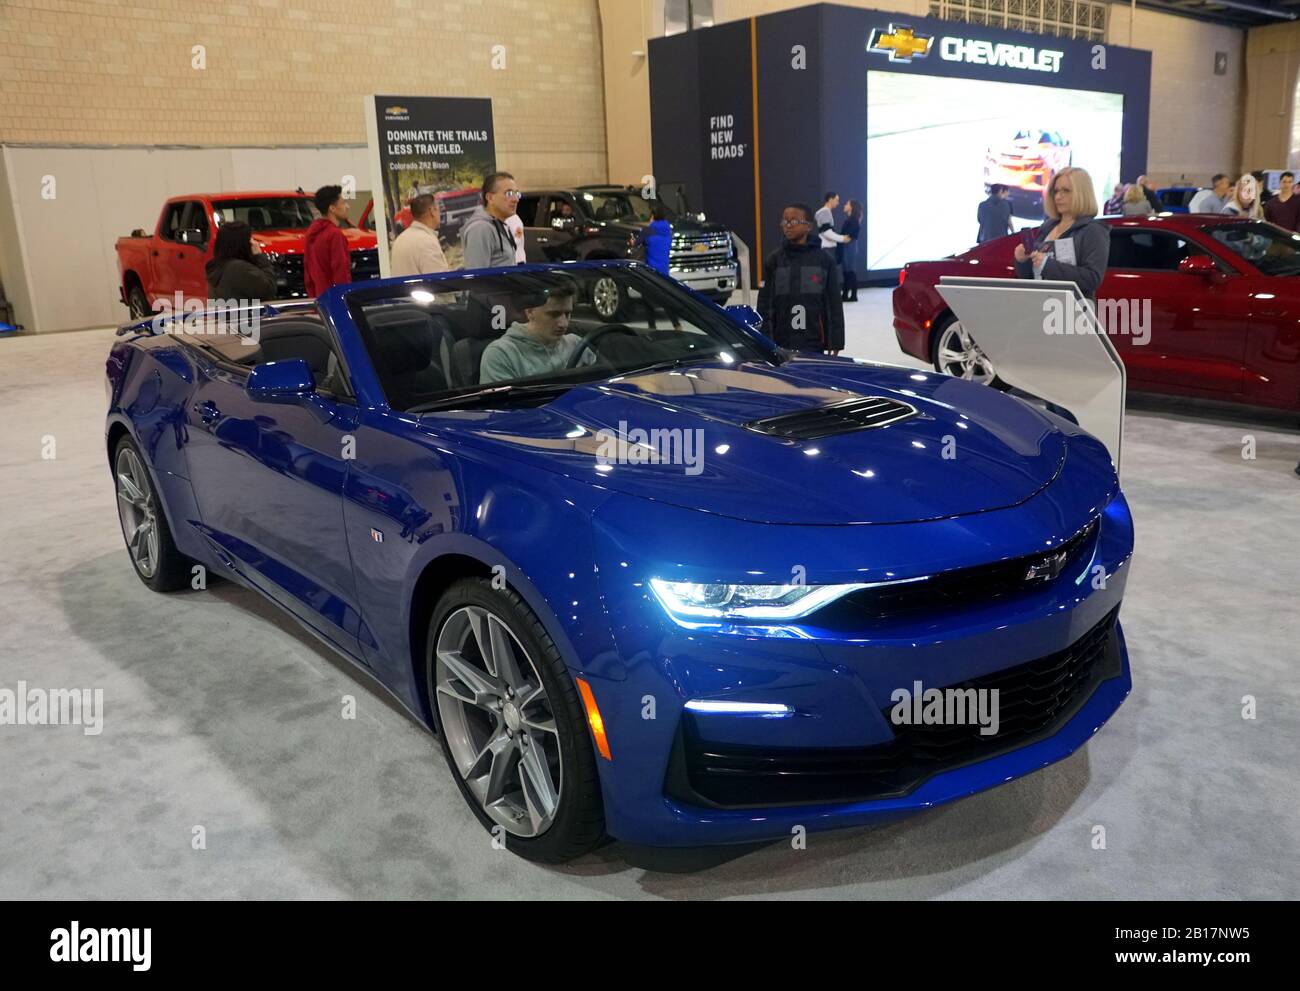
(692, 600)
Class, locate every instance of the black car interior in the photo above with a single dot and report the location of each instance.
(422, 350)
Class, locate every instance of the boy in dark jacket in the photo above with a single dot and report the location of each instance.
(325, 261)
(800, 300)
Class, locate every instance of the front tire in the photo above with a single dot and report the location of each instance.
(608, 299)
(137, 303)
(510, 723)
(148, 538)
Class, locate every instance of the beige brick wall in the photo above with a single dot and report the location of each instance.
(1196, 116)
(1270, 140)
(285, 72)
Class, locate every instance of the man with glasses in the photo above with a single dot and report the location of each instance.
(486, 238)
(800, 299)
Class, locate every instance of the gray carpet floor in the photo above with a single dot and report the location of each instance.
(221, 714)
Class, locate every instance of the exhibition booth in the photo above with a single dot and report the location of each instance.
(914, 116)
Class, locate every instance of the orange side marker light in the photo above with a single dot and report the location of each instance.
(594, 719)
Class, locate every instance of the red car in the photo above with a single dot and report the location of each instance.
(153, 268)
(1224, 311)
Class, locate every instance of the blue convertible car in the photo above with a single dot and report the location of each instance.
(643, 573)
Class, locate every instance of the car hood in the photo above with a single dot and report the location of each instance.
(968, 449)
(290, 242)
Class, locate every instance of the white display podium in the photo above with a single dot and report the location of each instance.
(1044, 339)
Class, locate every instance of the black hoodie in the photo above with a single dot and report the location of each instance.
(802, 275)
(234, 278)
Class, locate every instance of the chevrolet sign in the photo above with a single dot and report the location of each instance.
(977, 52)
(901, 44)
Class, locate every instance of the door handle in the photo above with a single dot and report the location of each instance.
(207, 411)
(156, 252)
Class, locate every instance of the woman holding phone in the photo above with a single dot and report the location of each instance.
(1071, 245)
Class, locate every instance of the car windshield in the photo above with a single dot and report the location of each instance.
(1270, 249)
(463, 342)
(621, 205)
(267, 213)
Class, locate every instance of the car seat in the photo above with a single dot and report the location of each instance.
(412, 350)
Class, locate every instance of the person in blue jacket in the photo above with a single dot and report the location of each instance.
(657, 236)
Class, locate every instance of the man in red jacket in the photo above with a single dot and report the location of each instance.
(325, 260)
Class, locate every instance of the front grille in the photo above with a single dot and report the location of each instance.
(950, 589)
(837, 418)
(288, 275)
(1035, 700)
(365, 264)
(701, 264)
(714, 241)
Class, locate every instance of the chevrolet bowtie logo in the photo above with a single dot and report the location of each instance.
(901, 44)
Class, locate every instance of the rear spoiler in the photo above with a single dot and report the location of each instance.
(159, 322)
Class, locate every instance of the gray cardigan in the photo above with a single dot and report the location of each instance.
(1091, 255)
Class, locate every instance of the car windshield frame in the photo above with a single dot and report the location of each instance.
(706, 323)
(1257, 230)
(248, 203)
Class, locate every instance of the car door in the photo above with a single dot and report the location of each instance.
(166, 254)
(1271, 374)
(191, 266)
(269, 477)
(1194, 339)
(559, 220)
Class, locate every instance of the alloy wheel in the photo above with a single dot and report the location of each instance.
(137, 510)
(606, 297)
(499, 725)
(959, 356)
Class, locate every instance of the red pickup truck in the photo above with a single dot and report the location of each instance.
(173, 259)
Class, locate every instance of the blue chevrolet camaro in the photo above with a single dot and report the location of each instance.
(643, 573)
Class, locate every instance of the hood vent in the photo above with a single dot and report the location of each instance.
(844, 417)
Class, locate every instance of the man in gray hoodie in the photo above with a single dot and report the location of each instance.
(541, 346)
(485, 238)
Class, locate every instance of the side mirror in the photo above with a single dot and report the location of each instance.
(1198, 265)
(280, 381)
(564, 223)
(191, 236)
(746, 315)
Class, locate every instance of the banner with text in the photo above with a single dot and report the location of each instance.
(443, 146)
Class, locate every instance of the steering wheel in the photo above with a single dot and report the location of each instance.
(589, 342)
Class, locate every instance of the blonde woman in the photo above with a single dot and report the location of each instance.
(1244, 199)
(1135, 202)
(1071, 245)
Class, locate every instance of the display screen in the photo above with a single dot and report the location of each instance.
(935, 145)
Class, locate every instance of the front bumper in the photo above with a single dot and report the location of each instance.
(682, 778)
(713, 280)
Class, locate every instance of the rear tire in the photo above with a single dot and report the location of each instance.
(954, 352)
(510, 723)
(148, 538)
